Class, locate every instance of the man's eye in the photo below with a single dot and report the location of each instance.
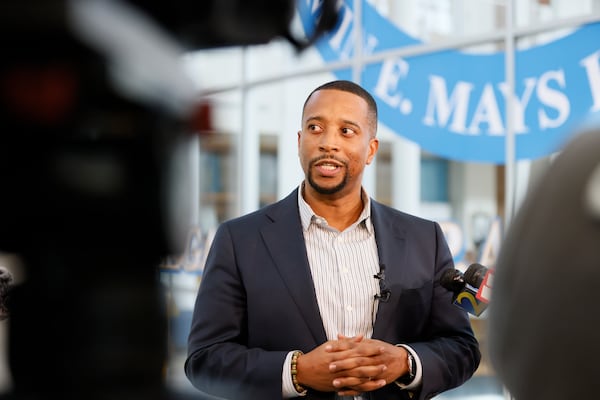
(314, 128)
(348, 131)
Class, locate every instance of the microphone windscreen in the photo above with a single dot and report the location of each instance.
(474, 274)
(452, 280)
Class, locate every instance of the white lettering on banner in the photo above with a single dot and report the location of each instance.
(519, 104)
(487, 112)
(445, 106)
(461, 97)
(391, 73)
(370, 43)
(342, 41)
(592, 68)
(552, 98)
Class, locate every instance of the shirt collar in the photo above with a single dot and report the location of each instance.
(307, 215)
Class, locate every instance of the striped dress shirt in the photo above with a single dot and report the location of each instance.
(343, 265)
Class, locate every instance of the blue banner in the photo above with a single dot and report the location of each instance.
(453, 103)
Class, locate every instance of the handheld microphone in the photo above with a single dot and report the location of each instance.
(481, 278)
(466, 287)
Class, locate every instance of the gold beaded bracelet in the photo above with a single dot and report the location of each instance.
(297, 386)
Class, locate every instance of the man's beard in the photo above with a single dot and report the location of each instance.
(327, 190)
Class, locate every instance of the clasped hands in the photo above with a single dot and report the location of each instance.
(352, 365)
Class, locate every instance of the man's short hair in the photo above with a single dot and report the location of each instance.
(351, 87)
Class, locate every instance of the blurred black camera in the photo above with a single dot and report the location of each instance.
(92, 104)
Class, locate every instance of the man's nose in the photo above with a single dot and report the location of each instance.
(328, 141)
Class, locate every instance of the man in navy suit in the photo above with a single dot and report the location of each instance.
(327, 293)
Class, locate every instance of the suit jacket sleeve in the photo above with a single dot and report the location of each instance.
(220, 361)
(256, 302)
(420, 312)
(451, 354)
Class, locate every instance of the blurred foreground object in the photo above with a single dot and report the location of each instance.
(6, 280)
(93, 102)
(543, 318)
(218, 23)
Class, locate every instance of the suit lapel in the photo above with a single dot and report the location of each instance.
(285, 242)
(391, 243)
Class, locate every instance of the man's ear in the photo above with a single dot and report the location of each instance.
(373, 147)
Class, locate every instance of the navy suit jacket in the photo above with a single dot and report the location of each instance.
(256, 302)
